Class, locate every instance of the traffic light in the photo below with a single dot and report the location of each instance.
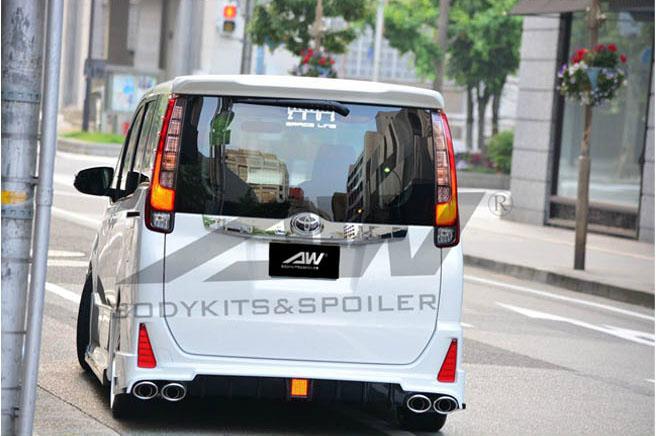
(229, 16)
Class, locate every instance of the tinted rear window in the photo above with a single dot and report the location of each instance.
(374, 165)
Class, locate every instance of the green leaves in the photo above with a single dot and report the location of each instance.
(288, 23)
(485, 43)
(410, 26)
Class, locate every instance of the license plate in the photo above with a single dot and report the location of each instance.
(304, 260)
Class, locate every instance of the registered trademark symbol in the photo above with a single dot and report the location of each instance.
(500, 203)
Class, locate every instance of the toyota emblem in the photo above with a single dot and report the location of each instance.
(306, 224)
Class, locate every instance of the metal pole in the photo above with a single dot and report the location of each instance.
(378, 39)
(442, 42)
(22, 50)
(87, 72)
(583, 187)
(42, 222)
(247, 45)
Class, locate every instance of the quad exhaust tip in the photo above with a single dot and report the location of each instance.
(445, 405)
(145, 390)
(418, 403)
(174, 391)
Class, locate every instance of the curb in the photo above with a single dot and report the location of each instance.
(591, 287)
(91, 148)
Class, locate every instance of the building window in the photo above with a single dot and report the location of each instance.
(618, 128)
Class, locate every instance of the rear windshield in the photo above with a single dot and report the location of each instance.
(253, 159)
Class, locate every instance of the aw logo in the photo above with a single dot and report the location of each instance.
(305, 258)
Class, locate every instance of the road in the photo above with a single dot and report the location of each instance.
(539, 360)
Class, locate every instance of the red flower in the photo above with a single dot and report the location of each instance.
(623, 58)
(310, 51)
(578, 56)
(322, 61)
(332, 61)
(612, 48)
(600, 47)
(306, 59)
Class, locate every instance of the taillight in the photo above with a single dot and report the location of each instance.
(145, 355)
(447, 225)
(161, 199)
(447, 372)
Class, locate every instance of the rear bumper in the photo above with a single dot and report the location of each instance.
(175, 365)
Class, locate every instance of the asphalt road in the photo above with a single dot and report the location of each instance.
(539, 360)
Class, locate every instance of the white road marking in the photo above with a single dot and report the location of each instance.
(63, 292)
(636, 336)
(64, 253)
(69, 193)
(110, 161)
(77, 218)
(63, 179)
(557, 297)
(650, 380)
(464, 324)
(68, 263)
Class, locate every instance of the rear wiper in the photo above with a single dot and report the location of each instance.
(334, 106)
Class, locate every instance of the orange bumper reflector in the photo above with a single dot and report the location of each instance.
(299, 388)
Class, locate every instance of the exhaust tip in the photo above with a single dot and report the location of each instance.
(418, 403)
(145, 390)
(174, 391)
(445, 405)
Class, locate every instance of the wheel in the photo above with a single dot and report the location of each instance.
(125, 406)
(420, 421)
(84, 322)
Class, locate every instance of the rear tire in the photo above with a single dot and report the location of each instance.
(126, 407)
(420, 421)
(84, 322)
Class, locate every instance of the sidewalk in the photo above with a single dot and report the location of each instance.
(616, 268)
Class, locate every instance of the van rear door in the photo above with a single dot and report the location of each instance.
(303, 233)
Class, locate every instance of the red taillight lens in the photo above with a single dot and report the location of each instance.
(145, 355)
(161, 201)
(447, 372)
(447, 227)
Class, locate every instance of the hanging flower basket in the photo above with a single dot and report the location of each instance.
(592, 77)
(315, 64)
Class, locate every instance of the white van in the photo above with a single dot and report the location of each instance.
(279, 237)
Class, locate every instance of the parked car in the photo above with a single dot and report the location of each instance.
(279, 237)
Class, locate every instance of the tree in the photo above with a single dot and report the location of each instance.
(291, 24)
(484, 50)
(410, 27)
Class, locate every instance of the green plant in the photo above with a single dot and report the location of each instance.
(499, 150)
(593, 76)
(97, 137)
(289, 23)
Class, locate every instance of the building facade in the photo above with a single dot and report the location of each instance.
(141, 42)
(549, 129)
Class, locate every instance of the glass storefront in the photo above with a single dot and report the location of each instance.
(618, 128)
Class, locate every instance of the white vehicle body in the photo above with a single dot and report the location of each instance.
(204, 293)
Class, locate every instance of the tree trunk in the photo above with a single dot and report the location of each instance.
(469, 132)
(496, 102)
(442, 42)
(317, 26)
(482, 98)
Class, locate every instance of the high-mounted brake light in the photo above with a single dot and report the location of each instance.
(161, 200)
(447, 225)
(447, 372)
(145, 355)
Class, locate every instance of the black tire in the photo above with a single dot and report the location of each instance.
(126, 407)
(83, 322)
(420, 421)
